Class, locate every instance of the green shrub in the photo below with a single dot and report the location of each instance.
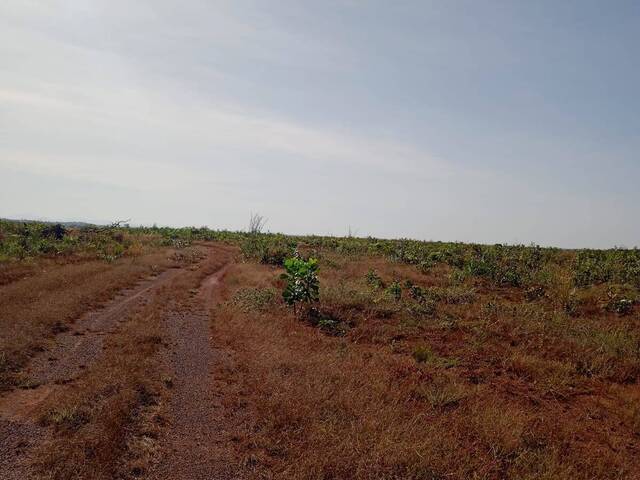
(327, 322)
(302, 281)
(373, 279)
(267, 249)
(592, 267)
(395, 290)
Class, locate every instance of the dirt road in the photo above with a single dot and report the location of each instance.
(195, 428)
(189, 357)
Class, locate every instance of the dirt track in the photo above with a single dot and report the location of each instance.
(190, 359)
(194, 408)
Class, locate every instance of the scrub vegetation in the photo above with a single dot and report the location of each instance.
(400, 359)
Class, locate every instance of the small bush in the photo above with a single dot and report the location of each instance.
(621, 306)
(70, 418)
(455, 295)
(267, 249)
(395, 290)
(423, 354)
(56, 231)
(425, 308)
(328, 323)
(416, 293)
(620, 299)
(373, 279)
(302, 281)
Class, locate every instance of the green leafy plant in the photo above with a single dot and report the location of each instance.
(373, 279)
(395, 290)
(302, 285)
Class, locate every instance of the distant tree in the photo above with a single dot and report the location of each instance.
(256, 223)
(56, 231)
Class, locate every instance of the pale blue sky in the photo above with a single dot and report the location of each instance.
(485, 121)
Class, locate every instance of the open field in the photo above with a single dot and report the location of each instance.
(164, 353)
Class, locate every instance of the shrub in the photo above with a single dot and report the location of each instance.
(620, 299)
(453, 295)
(423, 354)
(302, 281)
(599, 266)
(327, 322)
(56, 231)
(373, 279)
(416, 293)
(421, 309)
(267, 249)
(395, 290)
(621, 306)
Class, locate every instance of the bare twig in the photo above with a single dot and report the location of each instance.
(256, 223)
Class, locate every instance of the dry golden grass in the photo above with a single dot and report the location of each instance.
(35, 308)
(360, 406)
(107, 422)
(470, 381)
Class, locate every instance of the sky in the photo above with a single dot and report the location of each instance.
(478, 121)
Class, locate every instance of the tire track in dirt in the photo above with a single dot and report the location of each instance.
(196, 429)
(82, 345)
(73, 351)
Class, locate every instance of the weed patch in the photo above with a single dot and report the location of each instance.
(255, 299)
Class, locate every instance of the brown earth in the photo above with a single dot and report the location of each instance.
(192, 368)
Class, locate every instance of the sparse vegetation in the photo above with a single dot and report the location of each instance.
(254, 299)
(395, 290)
(412, 360)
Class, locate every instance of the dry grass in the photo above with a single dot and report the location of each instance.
(459, 379)
(120, 398)
(480, 396)
(35, 308)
